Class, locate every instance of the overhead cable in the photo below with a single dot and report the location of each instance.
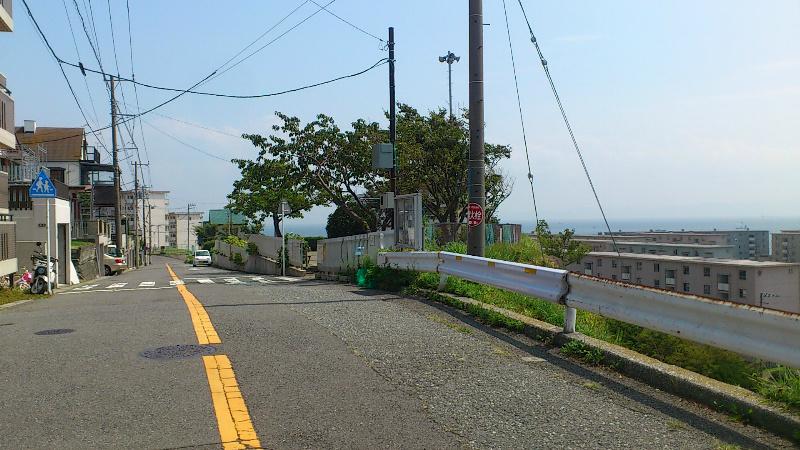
(566, 122)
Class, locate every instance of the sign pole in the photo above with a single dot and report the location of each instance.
(283, 242)
(49, 281)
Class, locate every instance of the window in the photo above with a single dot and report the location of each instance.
(656, 267)
(614, 263)
(587, 266)
(742, 274)
(57, 173)
(670, 273)
(638, 265)
(3, 115)
(599, 262)
(706, 289)
(722, 278)
(686, 287)
(742, 293)
(686, 270)
(706, 271)
(657, 283)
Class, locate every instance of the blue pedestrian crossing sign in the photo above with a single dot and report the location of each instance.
(42, 187)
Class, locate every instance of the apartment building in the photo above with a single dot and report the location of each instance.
(658, 248)
(769, 284)
(152, 222)
(180, 229)
(786, 246)
(8, 247)
(747, 244)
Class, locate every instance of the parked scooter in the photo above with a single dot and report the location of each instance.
(41, 275)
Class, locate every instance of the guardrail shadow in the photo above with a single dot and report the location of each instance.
(719, 430)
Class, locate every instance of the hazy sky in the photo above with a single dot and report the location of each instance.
(683, 108)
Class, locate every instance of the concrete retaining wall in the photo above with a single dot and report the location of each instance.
(347, 253)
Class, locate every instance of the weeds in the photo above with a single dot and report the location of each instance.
(579, 350)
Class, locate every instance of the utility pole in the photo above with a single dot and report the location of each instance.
(393, 132)
(136, 256)
(189, 225)
(450, 58)
(115, 150)
(150, 232)
(476, 239)
(137, 193)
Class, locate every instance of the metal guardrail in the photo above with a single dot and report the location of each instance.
(761, 333)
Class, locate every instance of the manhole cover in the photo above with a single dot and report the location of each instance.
(54, 331)
(179, 351)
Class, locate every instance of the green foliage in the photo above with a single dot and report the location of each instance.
(560, 246)
(431, 151)
(342, 223)
(456, 247)
(207, 233)
(252, 249)
(526, 251)
(237, 259)
(235, 240)
(781, 384)
(580, 350)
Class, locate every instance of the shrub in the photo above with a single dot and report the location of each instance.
(237, 259)
(235, 240)
(252, 249)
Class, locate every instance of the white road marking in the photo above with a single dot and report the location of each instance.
(262, 280)
(287, 279)
(117, 285)
(176, 282)
(147, 284)
(194, 268)
(86, 288)
(231, 280)
(205, 281)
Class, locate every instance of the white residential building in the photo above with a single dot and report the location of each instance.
(180, 229)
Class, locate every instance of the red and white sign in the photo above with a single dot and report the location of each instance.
(474, 214)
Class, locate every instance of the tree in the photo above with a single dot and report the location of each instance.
(334, 165)
(560, 246)
(433, 152)
(207, 233)
(264, 185)
(340, 223)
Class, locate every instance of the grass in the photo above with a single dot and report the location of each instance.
(777, 383)
(14, 295)
(78, 243)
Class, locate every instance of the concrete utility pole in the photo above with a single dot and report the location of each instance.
(189, 225)
(393, 132)
(136, 195)
(136, 256)
(115, 151)
(150, 232)
(476, 240)
(450, 58)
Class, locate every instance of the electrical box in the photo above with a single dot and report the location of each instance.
(382, 156)
(387, 200)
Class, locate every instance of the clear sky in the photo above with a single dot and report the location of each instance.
(683, 108)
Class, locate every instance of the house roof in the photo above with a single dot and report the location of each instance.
(62, 144)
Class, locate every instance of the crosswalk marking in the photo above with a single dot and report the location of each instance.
(205, 281)
(118, 285)
(262, 280)
(87, 287)
(231, 280)
(147, 284)
(286, 279)
(176, 282)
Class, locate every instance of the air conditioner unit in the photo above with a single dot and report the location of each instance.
(29, 126)
(387, 200)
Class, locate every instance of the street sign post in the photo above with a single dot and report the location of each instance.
(285, 209)
(474, 215)
(42, 187)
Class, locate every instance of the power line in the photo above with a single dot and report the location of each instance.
(192, 124)
(348, 22)
(521, 120)
(136, 92)
(186, 143)
(274, 40)
(378, 63)
(66, 78)
(566, 122)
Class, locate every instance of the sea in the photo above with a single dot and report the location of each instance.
(584, 226)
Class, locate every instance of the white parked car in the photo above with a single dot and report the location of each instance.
(201, 257)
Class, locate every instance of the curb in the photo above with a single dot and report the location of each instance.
(666, 377)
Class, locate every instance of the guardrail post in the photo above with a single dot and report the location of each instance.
(442, 282)
(570, 317)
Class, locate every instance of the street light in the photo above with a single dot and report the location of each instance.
(450, 58)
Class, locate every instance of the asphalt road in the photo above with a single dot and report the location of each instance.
(313, 365)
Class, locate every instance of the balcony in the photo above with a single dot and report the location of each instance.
(626, 277)
(669, 281)
(6, 20)
(7, 138)
(723, 287)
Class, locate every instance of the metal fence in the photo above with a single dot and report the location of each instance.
(762, 333)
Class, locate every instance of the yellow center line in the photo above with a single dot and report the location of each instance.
(236, 430)
(206, 334)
